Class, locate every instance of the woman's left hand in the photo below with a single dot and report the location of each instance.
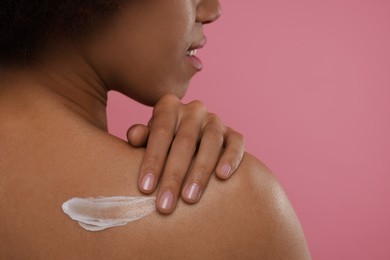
(185, 144)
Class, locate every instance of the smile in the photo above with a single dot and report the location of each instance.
(191, 53)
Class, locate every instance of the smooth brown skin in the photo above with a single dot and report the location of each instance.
(248, 217)
(54, 146)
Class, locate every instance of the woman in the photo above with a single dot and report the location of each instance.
(55, 90)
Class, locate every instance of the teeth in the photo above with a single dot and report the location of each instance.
(191, 53)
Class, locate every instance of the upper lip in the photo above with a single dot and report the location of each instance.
(198, 44)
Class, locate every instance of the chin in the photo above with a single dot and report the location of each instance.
(152, 100)
(178, 92)
(149, 96)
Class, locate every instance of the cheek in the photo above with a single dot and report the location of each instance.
(146, 60)
(147, 79)
(160, 58)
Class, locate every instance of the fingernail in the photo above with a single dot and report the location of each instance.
(166, 200)
(148, 182)
(193, 191)
(226, 170)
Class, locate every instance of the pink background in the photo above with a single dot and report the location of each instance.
(308, 83)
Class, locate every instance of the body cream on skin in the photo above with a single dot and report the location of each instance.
(96, 214)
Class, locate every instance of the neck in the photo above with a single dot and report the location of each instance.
(68, 83)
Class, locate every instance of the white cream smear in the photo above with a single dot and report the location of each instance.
(96, 214)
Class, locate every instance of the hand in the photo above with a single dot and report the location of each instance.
(175, 135)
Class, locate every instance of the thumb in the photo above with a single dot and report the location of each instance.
(137, 135)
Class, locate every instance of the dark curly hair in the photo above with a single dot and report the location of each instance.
(26, 26)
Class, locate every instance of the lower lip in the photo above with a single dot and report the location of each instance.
(196, 62)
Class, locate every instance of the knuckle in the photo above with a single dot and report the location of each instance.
(216, 135)
(169, 98)
(239, 137)
(214, 118)
(215, 131)
(215, 126)
(158, 109)
(166, 101)
(215, 123)
(198, 106)
(235, 136)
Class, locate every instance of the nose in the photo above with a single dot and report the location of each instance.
(208, 11)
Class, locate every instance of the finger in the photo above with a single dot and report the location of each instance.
(160, 138)
(205, 162)
(137, 135)
(232, 154)
(178, 164)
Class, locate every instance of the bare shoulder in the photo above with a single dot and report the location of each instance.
(266, 211)
(246, 217)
